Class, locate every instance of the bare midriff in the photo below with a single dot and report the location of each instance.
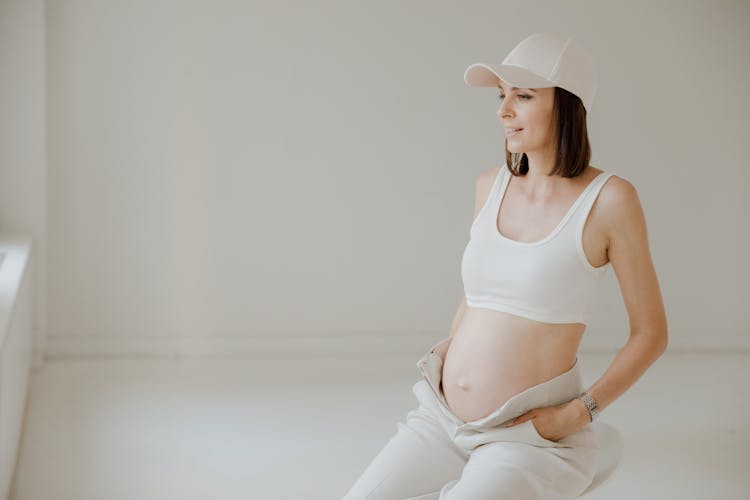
(495, 355)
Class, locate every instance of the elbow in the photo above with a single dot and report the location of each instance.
(663, 337)
(662, 343)
(657, 340)
(662, 349)
(654, 333)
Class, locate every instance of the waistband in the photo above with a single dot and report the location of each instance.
(557, 390)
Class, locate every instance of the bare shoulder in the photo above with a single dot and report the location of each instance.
(619, 206)
(616, 192)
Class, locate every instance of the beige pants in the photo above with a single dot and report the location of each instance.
(435, 455)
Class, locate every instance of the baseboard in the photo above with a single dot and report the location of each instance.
(238, 346)
(365, 344)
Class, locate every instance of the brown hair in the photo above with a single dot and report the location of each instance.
(573, 147)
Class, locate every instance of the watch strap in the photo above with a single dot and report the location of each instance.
(591, 405)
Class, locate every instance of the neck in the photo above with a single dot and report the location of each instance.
(538, 183)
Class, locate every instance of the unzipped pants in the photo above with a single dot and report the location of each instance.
(435, 455)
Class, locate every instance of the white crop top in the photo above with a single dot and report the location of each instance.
(549, 280)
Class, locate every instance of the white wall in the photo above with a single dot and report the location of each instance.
(22, 142)
(230, 175)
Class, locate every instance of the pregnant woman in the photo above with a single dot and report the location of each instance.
(503, 413)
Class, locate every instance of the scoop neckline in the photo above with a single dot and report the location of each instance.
(568, 214)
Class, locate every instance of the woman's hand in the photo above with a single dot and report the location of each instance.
(556, 422)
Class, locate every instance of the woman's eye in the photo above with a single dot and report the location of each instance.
(526, 97)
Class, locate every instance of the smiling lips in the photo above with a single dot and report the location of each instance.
(510, 132)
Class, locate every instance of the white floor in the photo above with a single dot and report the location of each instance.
(305, 428)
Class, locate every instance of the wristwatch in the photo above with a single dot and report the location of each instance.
(590, 405)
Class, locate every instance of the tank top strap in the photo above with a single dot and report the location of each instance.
(493, 198)
(479, 223)
(498, 182)
(590, 197)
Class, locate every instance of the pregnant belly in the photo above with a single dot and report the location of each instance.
(495, 355)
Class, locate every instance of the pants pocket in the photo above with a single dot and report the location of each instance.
(541, 439)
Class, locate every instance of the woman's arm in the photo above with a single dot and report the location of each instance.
(629, 254)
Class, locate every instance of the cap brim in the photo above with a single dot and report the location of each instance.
(489, 75)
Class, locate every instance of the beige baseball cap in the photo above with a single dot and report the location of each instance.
(541, 60)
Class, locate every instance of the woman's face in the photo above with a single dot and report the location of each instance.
(530, 110)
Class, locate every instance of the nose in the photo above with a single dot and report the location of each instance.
(504, 110)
